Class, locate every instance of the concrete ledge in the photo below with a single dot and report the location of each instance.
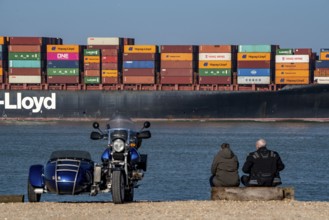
(11, 198)
(252, 193)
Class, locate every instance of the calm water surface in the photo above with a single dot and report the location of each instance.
(179, 155)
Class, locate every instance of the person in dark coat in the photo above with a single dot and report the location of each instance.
(263, 167)
(224, 168)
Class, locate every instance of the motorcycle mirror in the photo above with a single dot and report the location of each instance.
(96, 135)
(147, 124)
(95, 125)
(144, 135)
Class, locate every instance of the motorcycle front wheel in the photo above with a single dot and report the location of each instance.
(118, 187)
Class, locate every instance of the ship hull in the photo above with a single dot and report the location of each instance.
(301, 102)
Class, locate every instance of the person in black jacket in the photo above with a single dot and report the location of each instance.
(263, 167)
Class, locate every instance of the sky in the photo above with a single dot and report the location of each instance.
(288, 23)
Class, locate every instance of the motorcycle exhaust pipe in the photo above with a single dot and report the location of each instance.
(97, 174)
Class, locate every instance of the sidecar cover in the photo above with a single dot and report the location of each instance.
(69, 172)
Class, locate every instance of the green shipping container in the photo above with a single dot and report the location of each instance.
(63, 72)
(92, 80)
(24, 56)
(215, 72)
(91, 52)
(255, 48)
(24, 63)
(284, 51)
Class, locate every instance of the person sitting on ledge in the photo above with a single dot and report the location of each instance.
(263, 167)
(224, 168)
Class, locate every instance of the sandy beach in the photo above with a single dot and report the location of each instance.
(287, 209)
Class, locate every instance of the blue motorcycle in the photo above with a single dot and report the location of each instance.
(70, 172)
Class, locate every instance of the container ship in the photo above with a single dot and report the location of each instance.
(42, 78)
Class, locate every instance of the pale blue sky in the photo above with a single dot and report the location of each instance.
(289, 23)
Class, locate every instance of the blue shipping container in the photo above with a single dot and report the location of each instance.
(254, 72)
(324, 50)
(0, 48)
(25, 63)
(62, 64)
(322, 64)
(139, 64)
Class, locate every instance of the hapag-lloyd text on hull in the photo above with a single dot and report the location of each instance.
(36, 104)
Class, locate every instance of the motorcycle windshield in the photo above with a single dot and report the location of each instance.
(120, 122)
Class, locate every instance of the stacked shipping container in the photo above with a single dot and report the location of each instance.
(26, 59)
(321, 73)
(63, 64)
(3, 58)
(292, 66)
(178, 64)
(140, 64)
(92, 60)
(216, 64)
(255, 64)
(111, 56)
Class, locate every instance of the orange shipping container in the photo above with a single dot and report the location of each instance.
(138, 80)
(63, 48)
(292, 80)
(215, 64)
(2, 40)
(92, 59)
(254, 56)
(292, 66)
(294, 73)
(321, 72)
(324, 55)
(177, 56)
(215, 48)
(140, 49)
(110, 73)
(92, 73)
(1, 71)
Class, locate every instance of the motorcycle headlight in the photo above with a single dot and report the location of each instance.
(118, 145)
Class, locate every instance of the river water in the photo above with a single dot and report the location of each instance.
(179, 155)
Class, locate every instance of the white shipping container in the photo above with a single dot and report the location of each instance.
(321, 80)
(25, 79)
(248, 80)
(103, 40)
(292, 58)
(215, 56)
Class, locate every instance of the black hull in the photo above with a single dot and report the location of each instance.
(300, 102)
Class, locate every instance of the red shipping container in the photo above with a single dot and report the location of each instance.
(25, 71)
(176, 80)
(178, 49)
(254, 64)
(138, 72)
(177, 72)
(303, 51)
(217, 80)
(138, 79)
(26, 48)
(92, 66)
(110, 52)
(177, 64)
(109, 59)
(139, 56)
(63, 79)
(110, 80)
(110, 66)
(217, 49)
(92, 73)
(33, 40)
